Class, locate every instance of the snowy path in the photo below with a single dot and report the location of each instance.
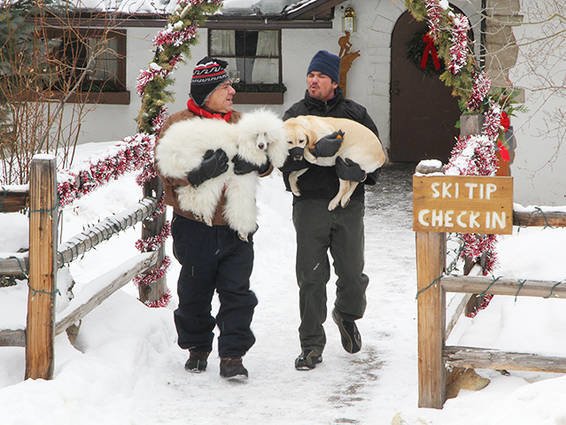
(343, 388)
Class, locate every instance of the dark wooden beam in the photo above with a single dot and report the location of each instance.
(319, 9)
(255, 23)
(214, 22)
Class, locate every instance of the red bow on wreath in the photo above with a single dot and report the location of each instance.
(429, 49)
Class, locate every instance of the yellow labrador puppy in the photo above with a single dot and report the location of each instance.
(359, 145)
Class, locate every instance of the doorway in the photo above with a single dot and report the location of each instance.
(423, 112)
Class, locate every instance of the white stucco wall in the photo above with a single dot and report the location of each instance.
(539, 158)
(540, 163)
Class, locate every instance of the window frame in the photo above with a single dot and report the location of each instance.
(117, 97)
(268, 97)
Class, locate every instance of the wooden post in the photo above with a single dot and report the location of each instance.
(40, 329)
(152, 227)
(431, 306)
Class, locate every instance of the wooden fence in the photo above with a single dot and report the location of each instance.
(45, 258)
(434, 357)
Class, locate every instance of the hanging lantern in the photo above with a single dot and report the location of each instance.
(349, 20)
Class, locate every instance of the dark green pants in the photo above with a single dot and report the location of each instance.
(342, 232)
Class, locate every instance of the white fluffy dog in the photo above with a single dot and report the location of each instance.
(256, 137)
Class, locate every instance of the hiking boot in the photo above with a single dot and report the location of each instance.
(307, 360)
(351, 338)
(232, 369)
(197, 361)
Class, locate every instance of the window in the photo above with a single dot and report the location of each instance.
(95, 59)
(255, 58)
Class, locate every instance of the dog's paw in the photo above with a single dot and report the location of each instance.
(296, 192)
(333, 204)
(344, 202)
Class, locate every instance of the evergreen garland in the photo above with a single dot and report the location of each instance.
(172, 45)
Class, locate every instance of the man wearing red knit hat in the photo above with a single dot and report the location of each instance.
(213, 258)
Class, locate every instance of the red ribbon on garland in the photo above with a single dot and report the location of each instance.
(503, 151)
(505, 121)
(429, 49)
(505, 124)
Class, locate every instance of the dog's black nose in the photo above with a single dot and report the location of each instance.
(261, 146)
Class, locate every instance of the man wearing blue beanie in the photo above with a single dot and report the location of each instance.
(340, 231)
(326, 63)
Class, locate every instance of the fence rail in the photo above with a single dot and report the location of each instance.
(104, 230)
(12, 338)
(44, 259)
(539, 218)
(12, 200)
(107, 285)
(503, 286)
(16, 265)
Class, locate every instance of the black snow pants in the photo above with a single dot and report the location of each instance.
(213, 258)
(342, 233)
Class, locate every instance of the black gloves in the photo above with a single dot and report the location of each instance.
(293, 164)
(349, 170)
(328, 145)
(241, 166)
(213, 164)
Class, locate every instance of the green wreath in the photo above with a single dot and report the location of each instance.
(415, 50)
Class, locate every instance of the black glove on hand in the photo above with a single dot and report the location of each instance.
(329, 144)
(291, 164)
(349, 170)
(241, 166)
(213, 164)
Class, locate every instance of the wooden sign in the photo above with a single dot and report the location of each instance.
(463, 204)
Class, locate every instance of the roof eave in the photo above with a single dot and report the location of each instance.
(256, 22)
(319, 8)
(318, 14)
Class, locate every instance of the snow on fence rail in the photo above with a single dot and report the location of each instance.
(44, 259)
(434, 357)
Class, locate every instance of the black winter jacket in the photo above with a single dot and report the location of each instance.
(322, 182)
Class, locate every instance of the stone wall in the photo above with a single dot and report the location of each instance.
(500, 43)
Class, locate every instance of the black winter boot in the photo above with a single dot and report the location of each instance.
(232, 369)
(197, 361)
(308, 360)
(351, 338)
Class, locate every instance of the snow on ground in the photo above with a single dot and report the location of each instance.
(125, 367)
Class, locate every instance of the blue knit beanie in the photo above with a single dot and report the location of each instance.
(326, 63)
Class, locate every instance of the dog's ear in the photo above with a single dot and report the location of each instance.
(311, 136)
(278, 150)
